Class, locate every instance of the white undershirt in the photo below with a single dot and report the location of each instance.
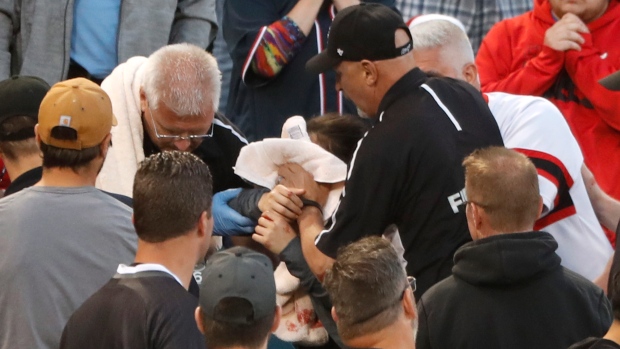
(127, 269)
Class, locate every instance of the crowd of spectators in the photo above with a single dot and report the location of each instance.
(309, 173)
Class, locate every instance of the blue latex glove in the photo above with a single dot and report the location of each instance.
(228, 222)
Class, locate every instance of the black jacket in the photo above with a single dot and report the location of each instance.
(509, 291)
(595, 343)
(408, 171)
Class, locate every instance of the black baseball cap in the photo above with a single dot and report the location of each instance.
(611, 82)
(364, 31)
(238, 272)
(20, 96)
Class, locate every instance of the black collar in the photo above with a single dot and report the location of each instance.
(27, 179)
(410, 81)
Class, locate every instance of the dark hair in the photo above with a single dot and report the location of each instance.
(170, 192)
(223, 335)
(68, 158)
(18, 137)
(366, 272)
(338, 134)
(614, 294)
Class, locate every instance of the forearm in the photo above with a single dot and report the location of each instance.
(310, 226)
(195, 22)
(607, 209)
(304, 13)
(293, 256)
(586, 67)
(246, 203)
(281, 40)
(341, 4)
(279, 43)
(499, 71)
(534, 78)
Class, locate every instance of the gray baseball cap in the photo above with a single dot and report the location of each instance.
(241, 273)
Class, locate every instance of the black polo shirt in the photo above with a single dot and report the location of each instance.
(408, 171)
(219, 152)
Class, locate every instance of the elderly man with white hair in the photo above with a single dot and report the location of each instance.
(536, 128)
(168, 101)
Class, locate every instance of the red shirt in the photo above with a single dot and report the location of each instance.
(513, 59)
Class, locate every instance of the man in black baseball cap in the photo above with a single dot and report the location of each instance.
(20, 97)
(362, 32)
(238, 300)
(407, 169)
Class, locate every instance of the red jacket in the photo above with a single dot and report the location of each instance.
(4, 178)
(513, 59)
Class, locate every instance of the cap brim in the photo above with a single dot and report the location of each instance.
(321, 63)
(611, 82)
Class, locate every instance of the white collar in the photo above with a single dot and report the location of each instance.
(128, 269)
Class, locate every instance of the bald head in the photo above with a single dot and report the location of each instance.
(443, 48)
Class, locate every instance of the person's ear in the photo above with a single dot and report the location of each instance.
(334, 315)
(205, 224)
(470, 73)
(37, 136)
(276, 319)
(541, 206)
(105, 145)
(198, 318)
(477, 220)
(409, 305)
(369, 69)
(143, 100)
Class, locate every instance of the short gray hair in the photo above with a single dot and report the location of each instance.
(441, 33)
(183, 77)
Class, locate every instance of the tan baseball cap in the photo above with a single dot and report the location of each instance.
(80, 105)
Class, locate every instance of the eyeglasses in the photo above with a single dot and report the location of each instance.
(176, 138)
(485, 206)
(411, 282)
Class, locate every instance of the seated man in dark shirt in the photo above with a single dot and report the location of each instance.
(146, 304)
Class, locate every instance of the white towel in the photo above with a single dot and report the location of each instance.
(121, 164)
(258, 162)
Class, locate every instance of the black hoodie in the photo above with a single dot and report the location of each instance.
(595, 343)
(509, 291)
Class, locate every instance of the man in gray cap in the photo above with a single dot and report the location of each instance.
(238, 300)
(20, 97)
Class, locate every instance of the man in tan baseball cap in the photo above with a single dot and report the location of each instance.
(75, 114)
(62, 232)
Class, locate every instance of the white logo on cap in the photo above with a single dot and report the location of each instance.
(65, 120)
(405, 50)
(340, 52)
